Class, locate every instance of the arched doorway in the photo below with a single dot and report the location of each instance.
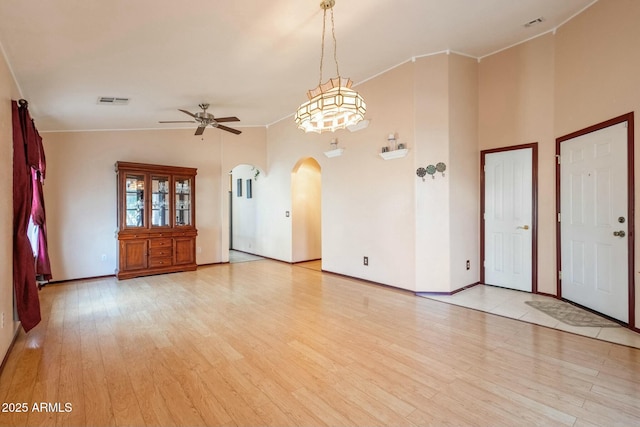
(306, 205)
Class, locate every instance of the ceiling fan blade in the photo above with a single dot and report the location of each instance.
(177, 121)
(200, 130)
(228, 129)
(187, 112)
(226, 119)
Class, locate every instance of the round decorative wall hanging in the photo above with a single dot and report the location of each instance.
(421, 172)
(431, 170)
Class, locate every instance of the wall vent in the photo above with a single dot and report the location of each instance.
(534, 22)
(112, 100)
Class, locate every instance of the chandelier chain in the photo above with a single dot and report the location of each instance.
(335, 44)
(324, 24)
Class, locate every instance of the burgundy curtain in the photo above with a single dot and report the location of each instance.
(27, 157)
(43, 267)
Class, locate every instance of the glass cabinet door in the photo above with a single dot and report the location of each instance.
(160, 201)
(134, 200)
(183, 201)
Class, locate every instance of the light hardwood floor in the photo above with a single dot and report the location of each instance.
(266, 343)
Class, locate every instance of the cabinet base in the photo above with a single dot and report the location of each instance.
(123, 275)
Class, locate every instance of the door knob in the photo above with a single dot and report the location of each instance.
(524, 227)
(620, 233)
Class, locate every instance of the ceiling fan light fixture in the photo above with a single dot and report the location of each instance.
(332, 105)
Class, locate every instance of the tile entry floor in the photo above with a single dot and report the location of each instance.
(511, 303)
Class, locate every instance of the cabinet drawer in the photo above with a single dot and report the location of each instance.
(159, 262)
(160, 243)
(132, 236)
(162, 251)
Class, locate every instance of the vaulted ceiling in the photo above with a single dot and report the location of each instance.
(254, 59)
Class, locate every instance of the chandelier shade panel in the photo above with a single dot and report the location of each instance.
(331, 106)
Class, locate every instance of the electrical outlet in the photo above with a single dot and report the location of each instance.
(286, 214)
(103, 257)
(199, 249)
(468, 265)
(2, 322)
(366, 260)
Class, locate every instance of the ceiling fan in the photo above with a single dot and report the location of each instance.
(205, 119)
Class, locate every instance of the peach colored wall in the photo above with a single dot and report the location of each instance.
(80, 192)
(416, 234)
(557, 84)
(306, 213)
(516, 98)
(463, 171)
(367, 203)
(380, 209)
(432, 203)
(447, 217)
(597, 64)
(8, 91)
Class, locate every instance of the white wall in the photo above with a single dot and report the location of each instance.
(245, 210)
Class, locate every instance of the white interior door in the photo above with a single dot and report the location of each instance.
(508, 219)
(593, 208)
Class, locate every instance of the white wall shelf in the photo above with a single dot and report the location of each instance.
(395, 154)
(334, 153)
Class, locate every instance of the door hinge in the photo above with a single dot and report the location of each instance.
(559, 219)
(484, 263)
(558, 158)
(559, 275)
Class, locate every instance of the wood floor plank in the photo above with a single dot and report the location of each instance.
(71, 388)
(267, 343)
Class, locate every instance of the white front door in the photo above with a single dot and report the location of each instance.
(508, 219)
(593, 221)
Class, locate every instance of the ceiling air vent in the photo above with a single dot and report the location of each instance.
(112, 100)
(534, 22)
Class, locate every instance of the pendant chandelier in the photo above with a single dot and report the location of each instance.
(332, 105)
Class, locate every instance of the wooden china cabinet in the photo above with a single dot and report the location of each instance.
(156, 219)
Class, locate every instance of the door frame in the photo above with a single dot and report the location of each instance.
(534, 208)
(630, 205)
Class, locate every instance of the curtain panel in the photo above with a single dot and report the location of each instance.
(28, 156)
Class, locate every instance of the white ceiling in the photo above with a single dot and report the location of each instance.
(254, 59)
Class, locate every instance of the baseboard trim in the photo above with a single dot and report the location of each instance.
(370, 282)
(426, 294)
(80, 279)
(307, 260)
